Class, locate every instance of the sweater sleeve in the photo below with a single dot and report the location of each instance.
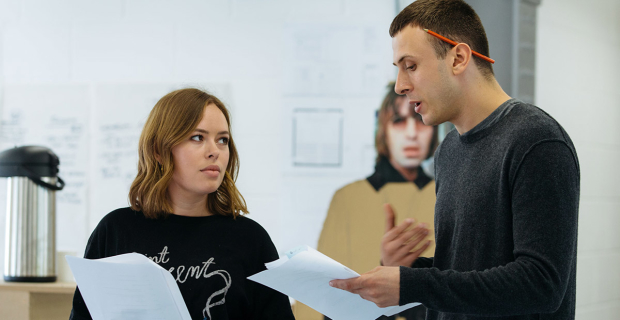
(545, 201)
(422, 262)
(95, 249)
(268, 303)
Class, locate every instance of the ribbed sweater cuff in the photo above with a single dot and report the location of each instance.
(411, 286)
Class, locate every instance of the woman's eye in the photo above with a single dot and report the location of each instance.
(223, 141)
(197, 137)
(411, 67)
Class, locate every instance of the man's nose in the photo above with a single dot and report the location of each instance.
(402, 85)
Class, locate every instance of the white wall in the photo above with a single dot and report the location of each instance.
(577, 82)
(80, 77)
(268, 57)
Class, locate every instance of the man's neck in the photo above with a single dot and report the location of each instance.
(479, 100)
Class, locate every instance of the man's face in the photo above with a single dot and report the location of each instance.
(408, 138)
(426, 80)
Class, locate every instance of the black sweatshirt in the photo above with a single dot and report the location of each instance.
(505, 222)
(210, 258)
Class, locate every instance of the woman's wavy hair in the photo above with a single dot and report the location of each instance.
(389, 108)
(172, 120)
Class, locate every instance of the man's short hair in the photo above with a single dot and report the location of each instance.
(453, 19)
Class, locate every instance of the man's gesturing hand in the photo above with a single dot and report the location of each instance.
(381, 286)
(398, 243)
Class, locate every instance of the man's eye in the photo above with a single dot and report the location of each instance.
(197, 137)
(411, 67)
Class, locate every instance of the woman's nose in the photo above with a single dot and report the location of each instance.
(212, 151)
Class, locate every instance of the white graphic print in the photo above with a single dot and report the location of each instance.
(222, 273)
(182, 274)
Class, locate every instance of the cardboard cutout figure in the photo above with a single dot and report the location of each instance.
(355, 221)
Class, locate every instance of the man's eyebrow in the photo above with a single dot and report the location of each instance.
(207, 132)
(402, 58)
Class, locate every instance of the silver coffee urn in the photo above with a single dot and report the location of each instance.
(30, 239)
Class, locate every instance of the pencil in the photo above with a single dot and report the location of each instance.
(481, 56)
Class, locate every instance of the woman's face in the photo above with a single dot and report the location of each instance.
(200, 161)
(408, 138)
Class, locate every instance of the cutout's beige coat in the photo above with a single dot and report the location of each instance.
(355, 224)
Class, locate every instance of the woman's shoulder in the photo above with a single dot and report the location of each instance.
(121, 216)
(248, 224)
(103, 241)
(256, 238)
(250, 229)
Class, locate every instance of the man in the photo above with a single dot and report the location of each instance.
(354, 221)
(507, 185)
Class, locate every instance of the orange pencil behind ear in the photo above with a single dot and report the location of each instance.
(481, 56)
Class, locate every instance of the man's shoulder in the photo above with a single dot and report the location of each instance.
(529, 121)
(529, 127)
(534, 127)
(519, 130)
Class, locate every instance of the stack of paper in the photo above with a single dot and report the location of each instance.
(128, 286)
(304, 275)
(131, 286)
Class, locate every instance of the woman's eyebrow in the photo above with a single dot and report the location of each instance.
(207, 132)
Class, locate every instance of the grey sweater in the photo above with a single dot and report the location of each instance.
(505, 222)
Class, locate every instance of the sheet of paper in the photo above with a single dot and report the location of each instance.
(304, 275)
(128, 286)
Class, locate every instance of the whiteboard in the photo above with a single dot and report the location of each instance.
(94, 130)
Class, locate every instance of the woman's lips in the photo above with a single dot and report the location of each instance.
(212, 171)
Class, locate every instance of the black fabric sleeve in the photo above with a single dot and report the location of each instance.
(545, 201)
(95, 249)
(79, 311)
(422, 262)
(269, 303)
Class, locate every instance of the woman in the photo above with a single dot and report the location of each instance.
(185, 214)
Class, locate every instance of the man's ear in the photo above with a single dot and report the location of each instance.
(462, 58)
